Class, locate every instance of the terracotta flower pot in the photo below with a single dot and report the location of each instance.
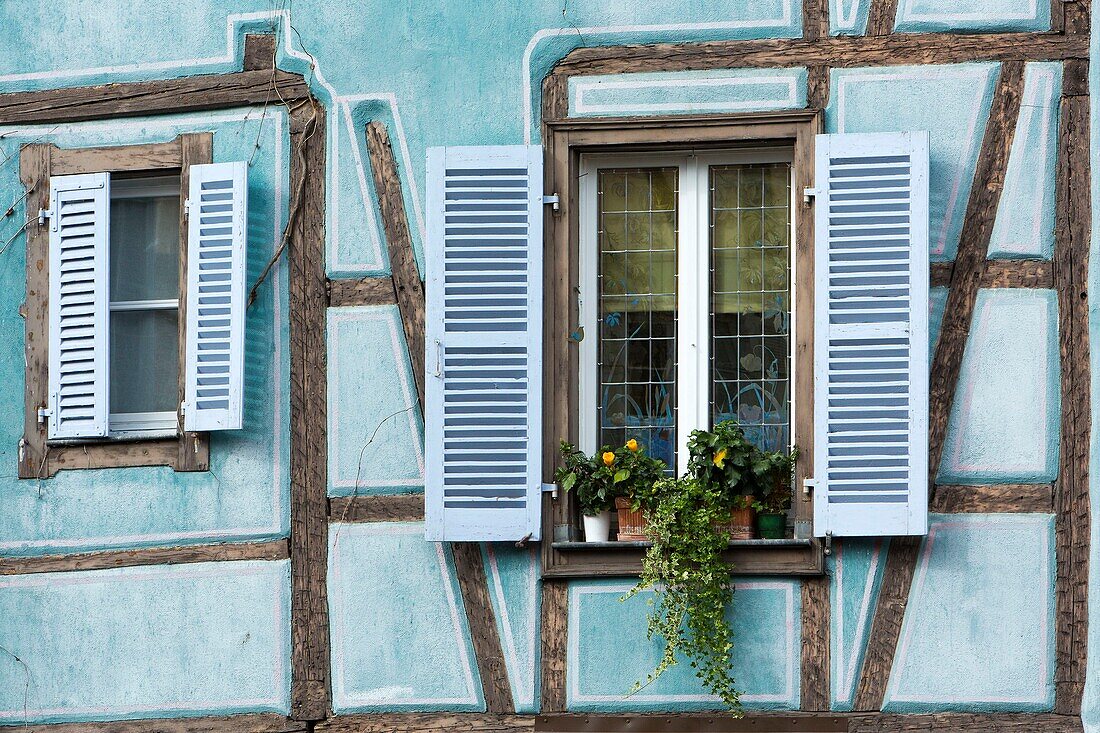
(632, 524)
(742, 522)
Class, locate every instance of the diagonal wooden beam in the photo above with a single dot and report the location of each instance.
(1071, 496)
(966, 277)
(881, 17)
(483, 628)
(407, 284)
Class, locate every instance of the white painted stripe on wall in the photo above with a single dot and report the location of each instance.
(587, 85)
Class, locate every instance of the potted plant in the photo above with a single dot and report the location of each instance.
(774, 471)
(602, 479)
(724, 458)
(684, 568)
(642, 470)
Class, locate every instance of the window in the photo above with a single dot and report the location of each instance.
(685, 292)
(144, 301)
(135, 304)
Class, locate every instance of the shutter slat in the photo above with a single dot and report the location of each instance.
(871, 335)
(78, 306)
(483, 417)
(216, 251)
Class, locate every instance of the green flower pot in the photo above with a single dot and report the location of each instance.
(771, 526)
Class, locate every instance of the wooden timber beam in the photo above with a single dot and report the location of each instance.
(816, 693)
(474, 585)
(263, 723)
(395, 508)
(815, 19)
(407, 285)
(895, 49)
(881, 16)
(997, 498)
(1001, 274)
(364, 291)
(310, 694)
(273, 550)
(554, 629)
(1073, 231)
(965, 280)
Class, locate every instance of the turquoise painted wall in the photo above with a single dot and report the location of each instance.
(458, 73)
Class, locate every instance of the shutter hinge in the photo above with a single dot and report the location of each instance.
(828, 543)
(809, 193)
(552, 489)
(553, 200)
(186, 207)
(43, 413)
(44, 214)
(808, 486)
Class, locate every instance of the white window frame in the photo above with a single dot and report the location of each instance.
(143, 425)
(693, 293)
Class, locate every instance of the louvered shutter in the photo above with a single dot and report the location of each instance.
(217, 215)
(78, 314)
(871, 335)
(483, 417)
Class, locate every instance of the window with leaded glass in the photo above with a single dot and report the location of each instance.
(685, 298)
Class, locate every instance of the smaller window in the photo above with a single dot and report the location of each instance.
(144, 306)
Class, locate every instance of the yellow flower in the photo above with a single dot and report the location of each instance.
(632, 445)
(720, 457)
(608, 458)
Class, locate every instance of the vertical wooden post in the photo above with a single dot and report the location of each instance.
(310, 694)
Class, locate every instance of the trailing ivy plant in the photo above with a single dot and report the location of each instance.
(684, 567)
(600, 478)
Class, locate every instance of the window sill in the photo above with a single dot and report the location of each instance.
(789, 557)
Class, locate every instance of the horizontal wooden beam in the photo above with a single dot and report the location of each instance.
(395, 508)
(1001, 274)
(895, 49)
(998, 498)
(263, 723)
(427, 723)
(788, 722)
(164, 96)
(365, 291)
(273, 550)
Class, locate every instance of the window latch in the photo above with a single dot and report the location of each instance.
(809, 193)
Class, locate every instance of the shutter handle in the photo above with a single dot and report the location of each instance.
(438, 359)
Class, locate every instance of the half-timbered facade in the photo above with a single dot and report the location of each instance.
(297, 301)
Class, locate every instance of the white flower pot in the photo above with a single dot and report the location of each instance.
(598, 528)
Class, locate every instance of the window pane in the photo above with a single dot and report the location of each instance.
(144, 360)
(750, 299)
(145, 247)
(636, 211)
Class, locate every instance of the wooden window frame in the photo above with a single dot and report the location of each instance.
(564, 142)
(188, 451)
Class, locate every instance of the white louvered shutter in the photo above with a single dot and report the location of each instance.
(871, 335)
(217, 215)
(78, 315)
(483, 417)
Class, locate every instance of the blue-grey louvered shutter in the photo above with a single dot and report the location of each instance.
(217, 219)
(871, 335)
(78, 313)
(483, 388)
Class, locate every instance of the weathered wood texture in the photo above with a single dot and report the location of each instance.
(886, 623)
(881, 17)
(193, 449)
(396, 508)
(143, 157)
(259, 51)
(815, 19)
(843, 51)
(555, 620)
(1071, 498)
(308, 418)
(163, 96)
(966, 723)
(965, 281)
(997, 498)
(365, 291)
(273, 550)
(428, 723)
(815, 644)
(263, 723)
(407, 284)
(483, 628)
(1001, 274)
(1076, 15)
(817, 90)
(789, 722)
